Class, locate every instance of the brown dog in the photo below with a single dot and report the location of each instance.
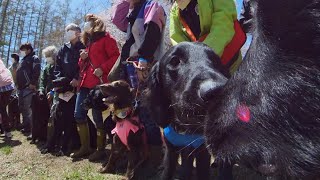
(129, 132)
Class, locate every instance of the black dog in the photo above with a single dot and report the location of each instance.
(13, 111)
(178, 87)
(40, 117)
(95, 100)
(56, 143)
(267, 115)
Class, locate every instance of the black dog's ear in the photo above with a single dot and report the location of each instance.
(153, 79)
(103, 88)
(155, 98)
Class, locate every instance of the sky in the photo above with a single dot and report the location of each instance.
(239, 5)
(100, 5)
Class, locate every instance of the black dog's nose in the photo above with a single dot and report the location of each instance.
(209, 88)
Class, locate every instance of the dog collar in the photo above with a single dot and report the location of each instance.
(182, 140)
(122, 113)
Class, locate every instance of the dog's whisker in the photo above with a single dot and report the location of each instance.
(200, 126)
(175, 104)
(208, 146)
(192, 152)
(186, 146)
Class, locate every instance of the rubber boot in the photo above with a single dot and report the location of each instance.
(99, 154)
(85, 148)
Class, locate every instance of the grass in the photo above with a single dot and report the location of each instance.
(20, 160)
(6, 150)
(88, 173)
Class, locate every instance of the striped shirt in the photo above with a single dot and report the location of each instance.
(7, 88)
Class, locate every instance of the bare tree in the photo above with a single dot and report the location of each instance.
(4, 16)
(12, 28)
(35, 40)
(43, 25)
(17, 30)
(33, 6)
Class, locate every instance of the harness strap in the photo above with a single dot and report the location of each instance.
(231, 50)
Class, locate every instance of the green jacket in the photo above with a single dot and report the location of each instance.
(216, 19)
(47, 77)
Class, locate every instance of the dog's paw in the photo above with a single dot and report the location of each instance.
(106, 169)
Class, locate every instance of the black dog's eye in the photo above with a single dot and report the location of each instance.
(175, 61)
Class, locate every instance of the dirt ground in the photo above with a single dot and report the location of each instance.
(21, 160)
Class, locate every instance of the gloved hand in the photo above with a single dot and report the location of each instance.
(74, 83)
(98, 72)
(32, 87)
(142, 69)
(50, 96)
(142, 64)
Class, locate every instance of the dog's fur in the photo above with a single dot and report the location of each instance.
(279, 83)
(119, 95)
(41, 114)
(63, 85)
(178, 87)
(56, 143)
(95, 100)
(13, 111)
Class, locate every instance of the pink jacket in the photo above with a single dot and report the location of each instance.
(123, 129)
(5, 75)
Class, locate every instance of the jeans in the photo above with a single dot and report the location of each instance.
(25, 101)
(4, 101)
(80, 113)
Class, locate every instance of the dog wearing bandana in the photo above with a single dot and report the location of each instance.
(129, 134)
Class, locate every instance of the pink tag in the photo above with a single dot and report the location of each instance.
(243, 113)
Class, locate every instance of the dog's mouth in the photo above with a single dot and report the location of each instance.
(190, 118)
(110, 100)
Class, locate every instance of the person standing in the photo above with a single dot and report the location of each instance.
(213, 22)
(66, 73)
(27, 78)
(144, 22)
(13, 68)
(6, 88)
(50, 53)
(95, 64)
(13, 107)
(46, 87)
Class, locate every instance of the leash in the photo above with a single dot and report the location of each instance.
(100, 77)
(134, 62)
(131, 60)
(90, 63)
